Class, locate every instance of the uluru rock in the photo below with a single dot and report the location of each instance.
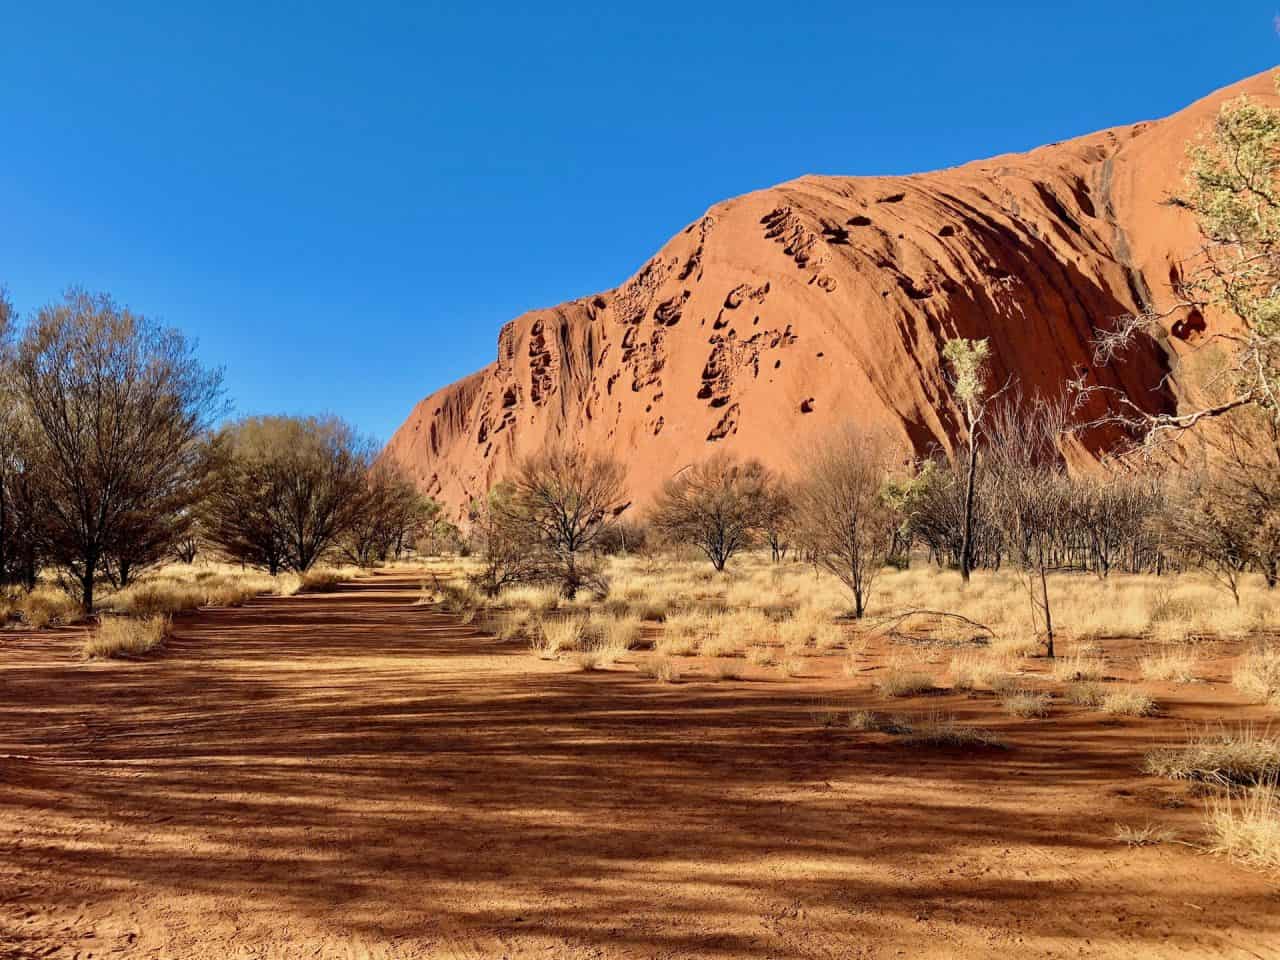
(779, 315)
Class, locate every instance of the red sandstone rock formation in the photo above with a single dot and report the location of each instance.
(782, 313)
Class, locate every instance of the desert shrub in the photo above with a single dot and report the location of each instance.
(1178, 665)
(793, 666)
(557, 635)
(740, 629)
(288, 584)
(972, 670)
(126, 636)
(540, 600)
(727, 669)
(942, 730)
(866, 721)
(163, 597)
(45, 605)
(1026, 703)
(660, 667)
(597, 653)
(1245, 826)
(1015, 645)
(1258, 675)
(621, 633)
(230, 594)
(1086, 694)
(1079, 666)
(1127, 702)
(1241, 755)
(1146, 836)
(515, 625)
(904, 680)
(653, 608)
(462, 601)
(325, 579)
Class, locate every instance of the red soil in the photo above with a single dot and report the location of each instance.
(780, 314)
(350, 775)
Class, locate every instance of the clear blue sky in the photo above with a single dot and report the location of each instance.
(343, 202)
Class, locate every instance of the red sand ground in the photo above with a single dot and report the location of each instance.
(353, 776)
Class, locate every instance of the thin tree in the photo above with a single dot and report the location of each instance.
(119, 405)
(715, 505)
(968, 362)
(291, 488)
(842, 517)
(1033, 495)
(562, 502)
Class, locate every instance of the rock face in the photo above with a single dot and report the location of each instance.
(782, 314)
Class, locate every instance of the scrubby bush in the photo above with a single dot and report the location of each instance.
(126, 636)
(1245, 754)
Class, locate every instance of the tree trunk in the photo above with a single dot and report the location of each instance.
(966, 543)
(86, 586)
(1048, 615)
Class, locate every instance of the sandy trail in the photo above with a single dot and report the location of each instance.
(352, 776)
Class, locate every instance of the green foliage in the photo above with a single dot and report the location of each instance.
(1233, 189)
(968, 360)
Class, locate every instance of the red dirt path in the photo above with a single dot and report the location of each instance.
(350, 775)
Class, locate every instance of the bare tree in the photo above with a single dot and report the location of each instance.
(389, 514)
(291, 487)
(715, 505)
(777, 513)
(1033, 495)
(119, 405)
(501, 544)
(1223, 512)
(562, 501)
(842, 517)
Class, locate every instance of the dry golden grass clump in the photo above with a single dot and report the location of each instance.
(539, 600)
(1145, 836)
(660, 667)
(969, 671)
(621, 632)
(761, 656)
(809, 625)
(327, 579)
(126, 636)
(1016, 645)
(178, 588)
(1086, 694)
(1082, 665)
(45, 605)
(904, 680)
(1245, 826)
(1246, 755)
(942, 730)
(866, 721)
(793, 666)
(1178, 664)
(1127, 702)
(1026, 703)
(557, 635)
(727, 669)
(597, 653)
(158, 597)
(1258, 675)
